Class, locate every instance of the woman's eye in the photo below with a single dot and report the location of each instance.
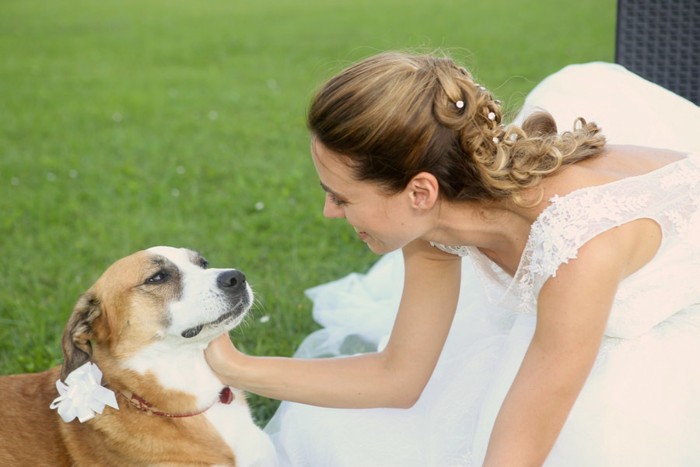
(157, 278)
(337, 201)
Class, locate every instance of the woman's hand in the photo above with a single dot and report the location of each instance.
(222, 356)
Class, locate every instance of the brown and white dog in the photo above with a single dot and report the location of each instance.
(145, 323)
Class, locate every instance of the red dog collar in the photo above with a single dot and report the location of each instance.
(225, 397)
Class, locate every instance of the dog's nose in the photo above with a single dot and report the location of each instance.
(231, 280)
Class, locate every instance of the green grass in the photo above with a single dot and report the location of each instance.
(127, 124)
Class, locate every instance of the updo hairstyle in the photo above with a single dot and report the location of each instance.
(394, 115)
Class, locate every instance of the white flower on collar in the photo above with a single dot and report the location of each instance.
(82, 395)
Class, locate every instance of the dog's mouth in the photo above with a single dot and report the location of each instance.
(194, 331)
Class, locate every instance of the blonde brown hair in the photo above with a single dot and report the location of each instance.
(395, 114)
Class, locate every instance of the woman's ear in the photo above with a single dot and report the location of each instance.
(423, 190)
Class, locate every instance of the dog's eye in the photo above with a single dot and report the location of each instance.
(157, 278)
(203, 263)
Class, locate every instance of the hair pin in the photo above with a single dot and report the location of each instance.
(459, 104)
(492, 116)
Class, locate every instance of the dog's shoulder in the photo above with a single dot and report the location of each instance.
(29, 429)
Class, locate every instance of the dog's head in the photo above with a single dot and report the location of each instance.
(162, 293)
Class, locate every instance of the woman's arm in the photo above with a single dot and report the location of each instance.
(394, 377)
(573, 309)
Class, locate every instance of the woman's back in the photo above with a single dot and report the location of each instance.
(614, 163)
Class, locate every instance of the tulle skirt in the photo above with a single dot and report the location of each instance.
(640, 404)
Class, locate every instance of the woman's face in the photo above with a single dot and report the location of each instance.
(384, 222)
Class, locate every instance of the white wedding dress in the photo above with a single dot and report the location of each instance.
(641, 403)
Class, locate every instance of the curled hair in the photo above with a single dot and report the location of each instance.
(394, 115)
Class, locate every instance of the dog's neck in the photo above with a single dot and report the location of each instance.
(164, 370)
(225, 397)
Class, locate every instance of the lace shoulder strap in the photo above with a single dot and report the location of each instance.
(669, 195)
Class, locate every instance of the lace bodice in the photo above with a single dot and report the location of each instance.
(669, 195)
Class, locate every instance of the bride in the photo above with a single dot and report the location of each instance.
(550, 306)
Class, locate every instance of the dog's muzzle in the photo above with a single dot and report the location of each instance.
(233, 284)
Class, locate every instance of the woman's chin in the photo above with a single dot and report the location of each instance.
(380, 248)
(375, 246)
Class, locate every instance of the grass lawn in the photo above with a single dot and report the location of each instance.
(127, 124)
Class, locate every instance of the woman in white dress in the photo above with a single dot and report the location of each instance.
(568, 335)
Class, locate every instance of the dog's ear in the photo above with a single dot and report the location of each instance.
(77, 348)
